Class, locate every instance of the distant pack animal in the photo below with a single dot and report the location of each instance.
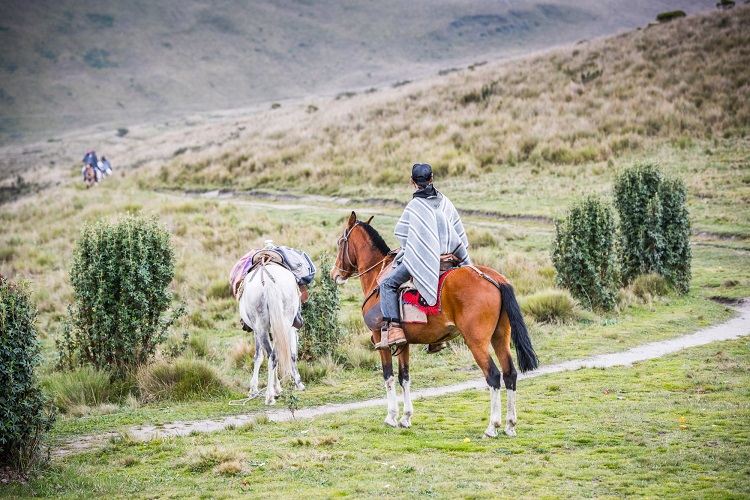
(268, 304)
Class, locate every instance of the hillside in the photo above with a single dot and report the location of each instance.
(67, 64)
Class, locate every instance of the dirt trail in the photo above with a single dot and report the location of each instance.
(732, 329)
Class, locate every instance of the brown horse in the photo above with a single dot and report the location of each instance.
(89, 176)
(477, 303)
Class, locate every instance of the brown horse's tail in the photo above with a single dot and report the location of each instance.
(527, 359)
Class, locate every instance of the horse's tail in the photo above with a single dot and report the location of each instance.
(527, 359)
(280, 327)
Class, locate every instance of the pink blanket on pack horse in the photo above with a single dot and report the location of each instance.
(240, 269)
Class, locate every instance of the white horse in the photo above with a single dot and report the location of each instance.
(268, 305)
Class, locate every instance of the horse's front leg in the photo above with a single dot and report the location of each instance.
(390, 387)
(403, 379)
(295, 371)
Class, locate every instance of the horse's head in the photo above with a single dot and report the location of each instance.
(358, 246)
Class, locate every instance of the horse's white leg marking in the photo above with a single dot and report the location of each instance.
(405, 421)
(390, 392)
(496, 413)
(510, 427)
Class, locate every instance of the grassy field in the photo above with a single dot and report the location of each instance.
(513, 145)
(672, 428)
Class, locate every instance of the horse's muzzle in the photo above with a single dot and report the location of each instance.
(339, 280)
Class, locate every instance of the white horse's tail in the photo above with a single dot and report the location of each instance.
(279, 328)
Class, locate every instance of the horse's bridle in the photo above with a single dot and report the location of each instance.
(344, 240)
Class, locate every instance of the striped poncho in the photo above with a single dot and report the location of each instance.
(428, 228)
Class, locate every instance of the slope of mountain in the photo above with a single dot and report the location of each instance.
(66, 64)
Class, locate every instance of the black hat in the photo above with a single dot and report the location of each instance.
(421, 173)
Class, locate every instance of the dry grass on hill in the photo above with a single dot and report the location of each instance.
(675, 82)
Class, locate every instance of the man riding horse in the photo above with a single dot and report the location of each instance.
(429, 228)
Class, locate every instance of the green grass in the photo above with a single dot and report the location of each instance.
(506, 162)
(669, 428)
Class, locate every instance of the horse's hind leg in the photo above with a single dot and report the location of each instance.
(273, 389)
(501, 344)
(481, 352)
(257, 362)
(403, 379)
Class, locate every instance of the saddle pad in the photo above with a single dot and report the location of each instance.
(413, 298)
(412, 314)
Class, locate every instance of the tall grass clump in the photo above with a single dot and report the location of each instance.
(550, 306)
(322, 332)
(120, 275)
(25, 415)
(654, 225)
(181, 380)
(82, 387)
(584, 253)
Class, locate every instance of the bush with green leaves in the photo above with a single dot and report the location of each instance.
(120, 276)
(584, 253)
(322, 332)
(654, 225)
(25, 415)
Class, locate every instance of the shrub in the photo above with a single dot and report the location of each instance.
(321, 333)
(670, 15)
(550, 306)
(584, 253)
(182, 380)
(654, 225)
(24, 411)
(120, 277)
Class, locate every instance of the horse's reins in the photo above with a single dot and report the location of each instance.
(345, 240)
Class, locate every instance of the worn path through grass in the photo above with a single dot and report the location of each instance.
(732, 329)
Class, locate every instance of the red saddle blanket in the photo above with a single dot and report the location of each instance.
(412, 297)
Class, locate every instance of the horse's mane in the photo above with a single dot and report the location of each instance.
(377, 240)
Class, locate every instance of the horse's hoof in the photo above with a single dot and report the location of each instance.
(404, 424)
(510, 431)
(300, 386)
(270, 402)
(490, 433)
(390, 421)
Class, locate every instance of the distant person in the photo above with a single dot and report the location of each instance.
(105, 166)
(90, 159)
(429, 227)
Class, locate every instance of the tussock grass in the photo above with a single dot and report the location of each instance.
(180, 380)
(550, 306)
(222, 460)
(78, 390)
(241, 354)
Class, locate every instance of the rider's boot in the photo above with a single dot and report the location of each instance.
(396, 334)
(436, 347)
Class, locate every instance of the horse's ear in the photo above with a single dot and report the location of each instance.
(370, 219)
(352, 219)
